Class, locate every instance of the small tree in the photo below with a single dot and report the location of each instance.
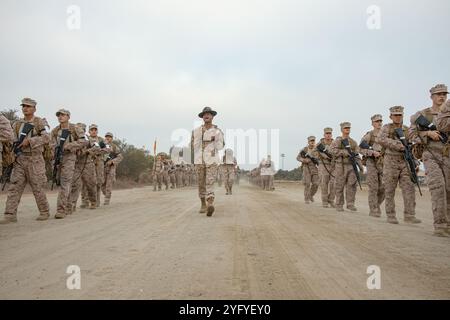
(10, 114)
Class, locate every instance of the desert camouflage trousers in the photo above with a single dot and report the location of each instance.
(327, 183)
(311, 182)
(207, 175)
(396, 172)
(27, 170)
(84, 178)
(110, 178)
(345, 178)
(437, 172)
(66, 171)
(374, 180)
(228, 175)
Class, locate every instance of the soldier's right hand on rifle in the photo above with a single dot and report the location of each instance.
(434, 135)
(25, 143)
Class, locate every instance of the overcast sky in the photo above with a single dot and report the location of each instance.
(143, 69)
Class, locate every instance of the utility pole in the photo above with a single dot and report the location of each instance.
(282, 161)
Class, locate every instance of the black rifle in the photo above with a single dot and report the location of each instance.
(409, 158)
(321, 148)
(6, 177)
(59, 152)
(365, 145)
(425, 125)
(353, 157)
(111, 156)
(303, 154)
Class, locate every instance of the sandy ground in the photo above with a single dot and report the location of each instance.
(258, 245)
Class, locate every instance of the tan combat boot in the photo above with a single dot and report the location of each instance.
(8, 218)
(203, 207)
(352, 207)
(412, 220)
(339, 209)
(84, 205)
(441, 233)
(332, 204)
(93, 206)
(210, 207)
(325, 204)
(43, 216)
(392, 220)
(60, 215)
(107, 201)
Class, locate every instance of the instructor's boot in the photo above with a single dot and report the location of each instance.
(210, 208)
(203, 207)
(8, 218)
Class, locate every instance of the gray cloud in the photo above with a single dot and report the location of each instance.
(145, 68)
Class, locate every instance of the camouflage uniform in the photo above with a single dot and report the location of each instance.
(74, 143)
(344, 173)
(396, 171)
(166, 177)
(99, 163)
(6, 137)
(29, 167)
(172, 176)
(374, 176)
(228, 167)
(158, 174)
(85, 174)
(206, 144)
(438, 173)
(326, 169)
(310, 172)
(110, 169)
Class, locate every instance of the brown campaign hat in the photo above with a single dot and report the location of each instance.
(207, 110)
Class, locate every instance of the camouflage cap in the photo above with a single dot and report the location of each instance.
(328, 130)
(310, 138)
(439, 88)
(63, 111)
(109, 134)
(28, 102)
(81, 125)
(396, 110)
(93, 126)
(345, 125)
(377, 117)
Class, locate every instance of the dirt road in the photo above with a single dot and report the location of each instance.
(259, 245)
